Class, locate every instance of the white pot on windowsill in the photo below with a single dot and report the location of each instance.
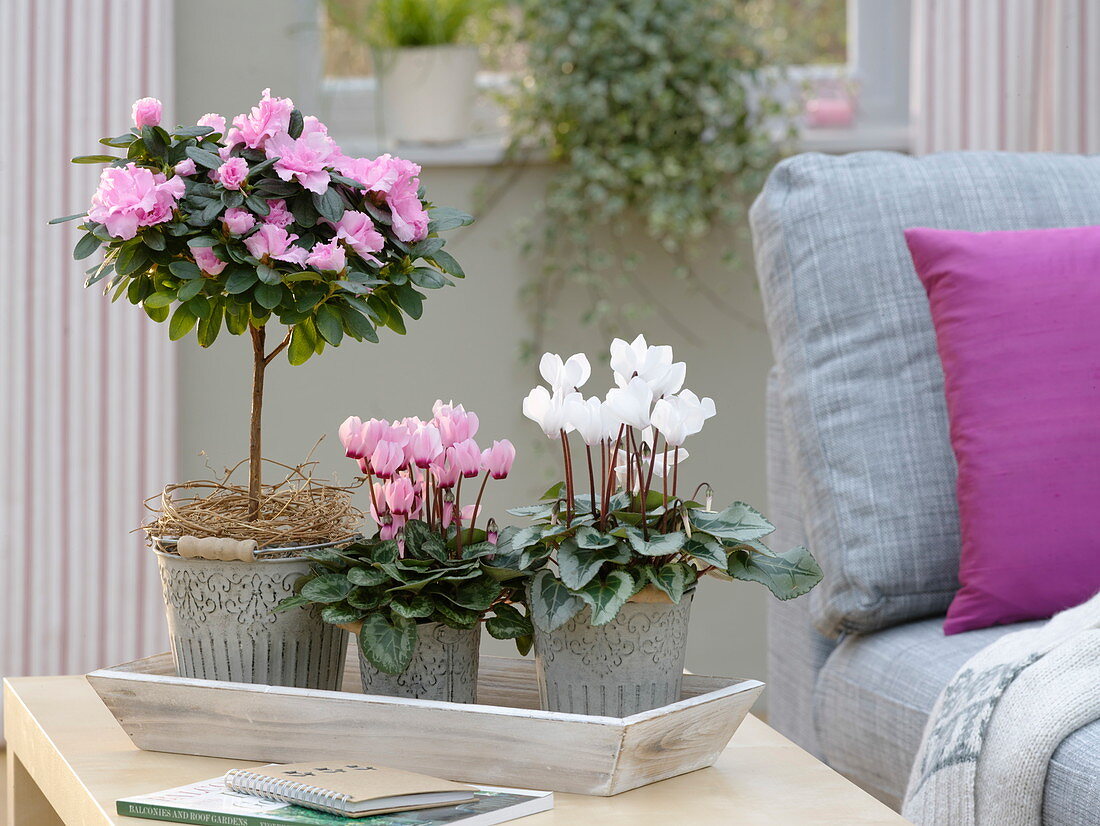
(427, 92)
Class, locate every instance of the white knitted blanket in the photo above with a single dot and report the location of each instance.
(984, 754)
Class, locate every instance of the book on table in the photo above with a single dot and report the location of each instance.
(330, 794)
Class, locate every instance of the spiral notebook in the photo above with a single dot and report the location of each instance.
(348, 789)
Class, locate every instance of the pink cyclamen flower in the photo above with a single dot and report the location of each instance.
(357, 230)
(274, 242)
(207, 261)
(498, 459)
(454, 423)
(214, 121)
(304, 159)
(268, 118)
(445, 471)
(147, 112)
(328, 257)
(239, 221)
(349, 433)
(233, 173)
(410, 219)
(401, 495)
(278, 214)
(185, 167)
(467, 456)
(131, 196)
(387, 459)
(425, 446)
(392, 529)
(466, 516)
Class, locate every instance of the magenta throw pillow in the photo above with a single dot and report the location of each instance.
(1017, 318)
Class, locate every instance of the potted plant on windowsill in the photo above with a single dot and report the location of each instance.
(617, 549)
(415, 594)
(260, 223)
(426, 71)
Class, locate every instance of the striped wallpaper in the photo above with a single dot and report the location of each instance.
(87, 408)
(1021, 75)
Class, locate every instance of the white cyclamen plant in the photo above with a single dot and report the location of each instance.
(618, 524)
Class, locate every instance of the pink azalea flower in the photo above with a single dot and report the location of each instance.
(207, 261)
(214, 121)
(239, 221)
(328, 257)
(147, 112)
(269, 118)
(233, 173)
(376, 175)
(274, 242)
(131, 196)
(410, 219)
(185, 167)
(357, 230)
(304, 159)
(278, 214)
(498, 459)
(312, 124)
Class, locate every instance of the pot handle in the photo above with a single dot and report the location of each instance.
(211, 547)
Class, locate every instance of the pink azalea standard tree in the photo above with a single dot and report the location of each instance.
(259, 221)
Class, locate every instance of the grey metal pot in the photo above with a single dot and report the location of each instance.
(631, 664)
(443, 667)
(221, 624)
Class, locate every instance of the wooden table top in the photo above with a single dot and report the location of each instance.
(64, 739)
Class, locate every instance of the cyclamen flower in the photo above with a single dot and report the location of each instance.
(239, 221)
(652, 364)
(274, 242)
(328, 257)
(445, 470)
(678, 417)
(278, 214)
(548, 410)
(304, 159)
(269, 118)
(185, 167)
(387, 459)
(425, 446)
(454, 423)
(565, 376)
(631, 404)
(357, 230)
(131, 196)
(207, 261)
(497, 460)
(233, 173)
(401, 495)
(147, 112)
(467, 458)
(214, 121)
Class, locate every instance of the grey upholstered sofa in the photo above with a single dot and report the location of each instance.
(860, 466)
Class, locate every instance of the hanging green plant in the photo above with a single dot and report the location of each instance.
(662, 115)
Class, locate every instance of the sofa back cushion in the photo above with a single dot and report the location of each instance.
(861, 381)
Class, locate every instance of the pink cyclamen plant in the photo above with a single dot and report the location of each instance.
(415, 470)
(262, 221)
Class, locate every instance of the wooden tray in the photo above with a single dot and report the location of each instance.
(505, 740)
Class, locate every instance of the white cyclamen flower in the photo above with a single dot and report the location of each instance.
(565, 376)
(631, 404)
(548, 411)
(678, 417)
(652, 364)
(591, 419)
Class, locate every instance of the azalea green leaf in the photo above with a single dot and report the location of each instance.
(86, 246)
(183, 319)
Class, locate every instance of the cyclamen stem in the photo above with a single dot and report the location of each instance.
(568, 477)
(456, 517)
(591, 477)
(652, 463)
(611, 476)
(477, 504)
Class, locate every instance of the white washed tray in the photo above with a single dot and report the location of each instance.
(505, 740)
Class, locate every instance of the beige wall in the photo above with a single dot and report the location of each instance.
(466, 348)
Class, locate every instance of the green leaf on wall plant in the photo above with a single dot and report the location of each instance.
(787, 575)
(388, 642)
(552, 605)
(607, 596)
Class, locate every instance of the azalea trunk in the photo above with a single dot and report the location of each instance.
(255, 445)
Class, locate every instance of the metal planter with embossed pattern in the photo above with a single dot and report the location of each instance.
(631, 664)
(443, 667)
(221, 625)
